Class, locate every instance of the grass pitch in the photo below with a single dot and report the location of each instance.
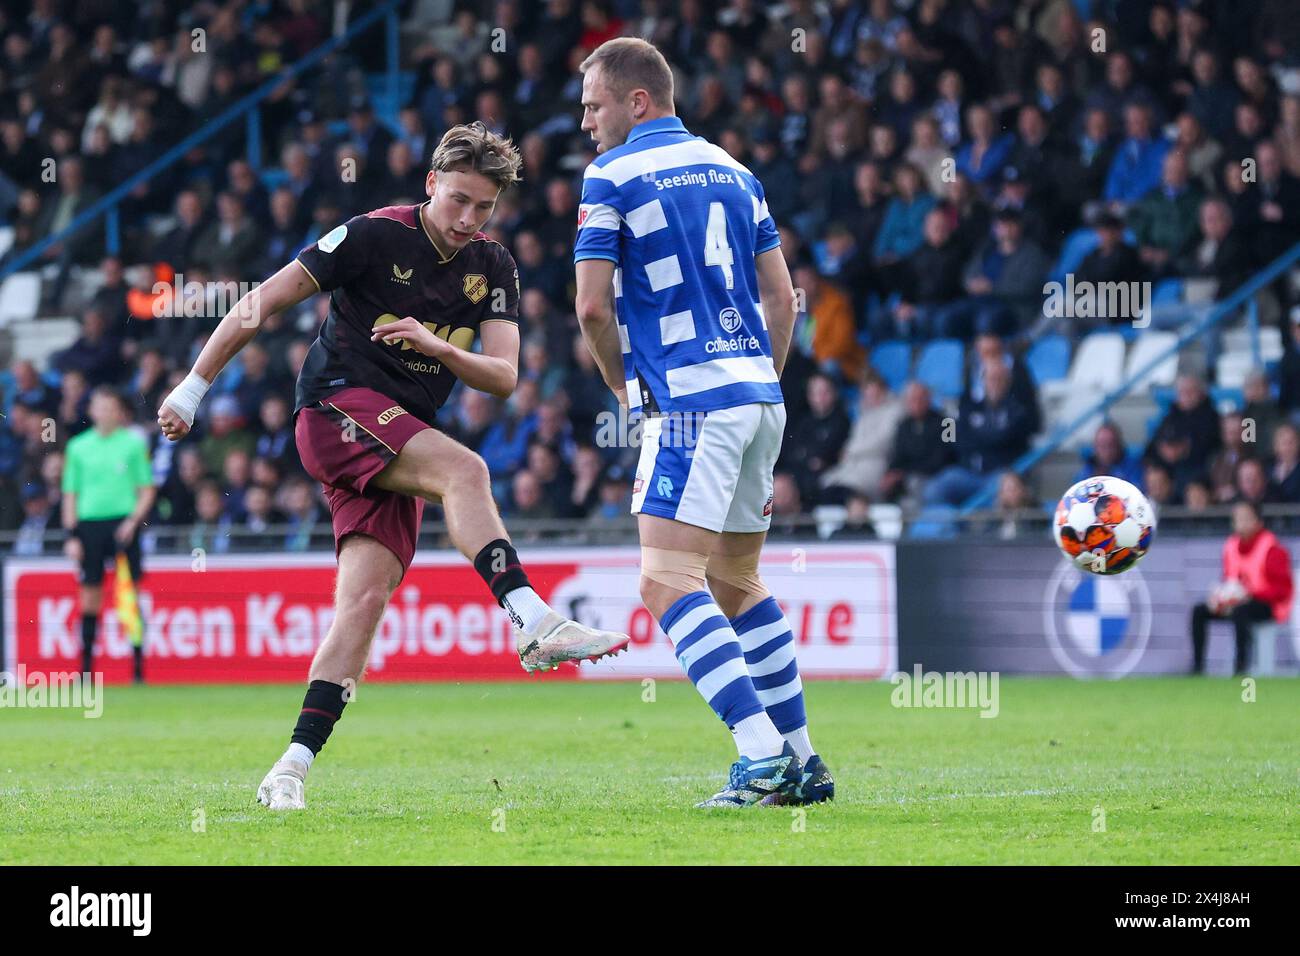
(1148, 771)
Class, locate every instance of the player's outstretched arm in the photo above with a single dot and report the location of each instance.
(281, 291)
(595, 310)
(776, 292)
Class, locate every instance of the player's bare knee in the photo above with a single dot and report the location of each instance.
(466, 470)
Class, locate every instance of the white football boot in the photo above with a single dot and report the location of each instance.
(282, 787)
(556, 639)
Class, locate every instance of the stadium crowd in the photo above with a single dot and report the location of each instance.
(925, 160)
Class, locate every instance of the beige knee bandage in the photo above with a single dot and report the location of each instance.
(681, 570)
(740, 571)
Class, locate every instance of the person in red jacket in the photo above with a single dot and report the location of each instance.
(1254, 559)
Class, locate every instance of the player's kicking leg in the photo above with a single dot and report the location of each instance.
(368, 573)
(434, 466)
(768, 644)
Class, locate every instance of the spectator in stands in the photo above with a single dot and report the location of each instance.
(1288, 373)
(275, 435)
(901, 233)
(826, 329)
(304, 514)
(1136, 168)
(985, 151)
(928, 153)
(1270, 211)
(38, 518)
(1109, 456)
(1260, 409)
(1158, 485)
(1204, 154)
(1164, 220)
(528, 500)
(1253, 484)
(96, 354)
(1253, 557)
(921, 446)
(209, 526)
(809, 451)
(1211, 100)
(991, 434)
(505, 446)
(1015, 507)
(231, 245)
(1090, 160)
(73, 198)
(1192, 417)
(1114, 260)
(991, 349)
(260, 514)
(588, 475)
(1004, 280)
(931, 280)
(1285, 468)
(225, 433)
(1222, 471)
(1220, 253)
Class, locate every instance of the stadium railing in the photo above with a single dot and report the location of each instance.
(911, 525)
(1222, 311)
(246, 108)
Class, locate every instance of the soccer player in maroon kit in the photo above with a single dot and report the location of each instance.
(411, 287)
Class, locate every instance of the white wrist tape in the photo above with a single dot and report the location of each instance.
(185, 397)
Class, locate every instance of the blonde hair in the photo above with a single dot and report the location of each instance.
(473, 148)
(629, 63)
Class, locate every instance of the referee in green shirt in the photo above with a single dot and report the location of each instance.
(107, 493)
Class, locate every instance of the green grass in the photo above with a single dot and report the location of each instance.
(1184, 770)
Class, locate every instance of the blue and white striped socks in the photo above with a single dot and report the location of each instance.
(768, 644)
(712, 658)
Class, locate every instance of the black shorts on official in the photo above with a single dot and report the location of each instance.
(99, 546)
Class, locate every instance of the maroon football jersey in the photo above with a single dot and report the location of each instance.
(382, 267)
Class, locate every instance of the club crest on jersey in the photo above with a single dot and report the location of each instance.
(332, 239)
(582, 214)
(387, 416)
(475, 287)
(730, 319)
(403, 277)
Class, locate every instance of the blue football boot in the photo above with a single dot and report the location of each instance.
(758, 781)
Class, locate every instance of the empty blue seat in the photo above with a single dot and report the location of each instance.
(1167, 292)
(940, 367)
(1048, 359)
(893, 360)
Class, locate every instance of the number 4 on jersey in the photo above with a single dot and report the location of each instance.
(716, 250)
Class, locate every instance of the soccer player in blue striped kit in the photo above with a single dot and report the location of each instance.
(695, 339)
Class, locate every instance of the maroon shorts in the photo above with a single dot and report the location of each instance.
(344, 441)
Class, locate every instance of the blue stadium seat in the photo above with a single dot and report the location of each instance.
(377, 87)
(1048, 359)
(893, 360)
(1074, 250)
(273, 178)
(1167, 292)
(934, 521)
(940, 367)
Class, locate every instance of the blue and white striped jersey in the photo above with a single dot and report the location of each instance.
(682, 221)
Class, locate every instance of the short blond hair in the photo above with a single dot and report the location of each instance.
(473, 148)
(630, 63)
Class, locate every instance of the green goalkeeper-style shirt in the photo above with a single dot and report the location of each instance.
(106, 472)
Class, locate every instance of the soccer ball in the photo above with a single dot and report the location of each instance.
(1104, 525)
